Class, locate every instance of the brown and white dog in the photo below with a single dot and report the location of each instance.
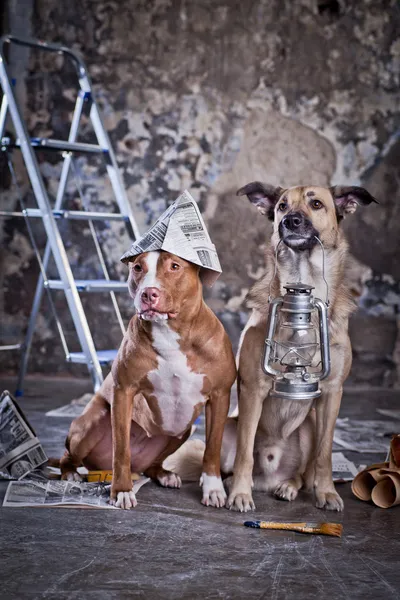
(174, 358)
(287, 443)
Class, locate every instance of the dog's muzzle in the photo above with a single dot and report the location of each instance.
(297, 231)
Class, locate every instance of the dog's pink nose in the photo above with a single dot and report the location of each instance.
(150, 296)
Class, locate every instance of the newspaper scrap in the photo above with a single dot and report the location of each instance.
(181, 231)
(72, 410)
(363, 436)
(20, 449)
(53, 493)
(343, 469)
(393, 413)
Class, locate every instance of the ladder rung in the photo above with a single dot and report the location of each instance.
(11, 347)
(55, 145)
(104, 356)
(77, 215)
(90, 285)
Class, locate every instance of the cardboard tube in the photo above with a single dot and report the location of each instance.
(363, 483)
(386, 493)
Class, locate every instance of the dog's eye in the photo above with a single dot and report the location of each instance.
(316, 204)
(282, 206)
(175, 266)
(137, 268)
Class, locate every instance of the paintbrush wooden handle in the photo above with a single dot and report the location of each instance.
(283, 526)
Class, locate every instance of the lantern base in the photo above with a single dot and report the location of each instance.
(295, 389)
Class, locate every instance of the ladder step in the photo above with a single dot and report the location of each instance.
(11, 347)
(37, 142)
(77, 215)
(104, 356)
(90, 285)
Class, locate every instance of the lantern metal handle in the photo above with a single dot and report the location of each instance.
(269, 343)
(324, 337)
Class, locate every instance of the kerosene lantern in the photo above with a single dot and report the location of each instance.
(294, 341)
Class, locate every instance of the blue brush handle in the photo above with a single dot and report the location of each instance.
(255, 524)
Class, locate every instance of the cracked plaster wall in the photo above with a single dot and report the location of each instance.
(209, 95)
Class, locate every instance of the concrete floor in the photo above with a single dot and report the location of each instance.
(171, 547)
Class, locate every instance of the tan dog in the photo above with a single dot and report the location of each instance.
(291, 445)
(174, 359)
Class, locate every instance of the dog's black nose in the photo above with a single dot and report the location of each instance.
(293, 220)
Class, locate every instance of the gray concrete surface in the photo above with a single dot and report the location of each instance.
(171, 547)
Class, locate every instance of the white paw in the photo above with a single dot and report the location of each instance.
(328, 500)
(124, 500)
(73, 476)
(213, 491)
(171, 480)
(243, 502)
(286, 490)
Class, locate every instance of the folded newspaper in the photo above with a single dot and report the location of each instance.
(181, 231)
(20, 449)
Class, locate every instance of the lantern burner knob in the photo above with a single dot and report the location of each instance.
(298, 288)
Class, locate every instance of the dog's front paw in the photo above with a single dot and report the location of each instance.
(329, 500)
(243, 502)
(213, 491)
(169, 479)
(124, 500)
(286, 490)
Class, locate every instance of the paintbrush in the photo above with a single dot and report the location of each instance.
(334, 529)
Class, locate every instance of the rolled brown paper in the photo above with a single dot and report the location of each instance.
(394, 461)
(363, 483)
(386, 493)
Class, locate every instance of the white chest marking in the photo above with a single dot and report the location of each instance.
(176, 387)
(304, 274)
(307, 270)
(150, 279)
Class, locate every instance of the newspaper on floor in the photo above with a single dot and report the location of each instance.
(54, 493)
(342, 468)
(364, 436)
(393, 413)
(20, 449)
(72, 410)
(181, 231)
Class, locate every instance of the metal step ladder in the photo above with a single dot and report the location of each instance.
(52, 215)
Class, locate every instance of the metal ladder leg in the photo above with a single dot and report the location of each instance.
(3, 114)
(26, 349)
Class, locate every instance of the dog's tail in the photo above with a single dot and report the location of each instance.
(187, 461)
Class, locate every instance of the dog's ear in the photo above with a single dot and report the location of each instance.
(348, 198)
(263, 196)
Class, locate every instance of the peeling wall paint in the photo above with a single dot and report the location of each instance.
(208, 96)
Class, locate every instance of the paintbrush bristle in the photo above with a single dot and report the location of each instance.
(334, 529)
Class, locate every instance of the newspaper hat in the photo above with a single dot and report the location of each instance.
(181, 231)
